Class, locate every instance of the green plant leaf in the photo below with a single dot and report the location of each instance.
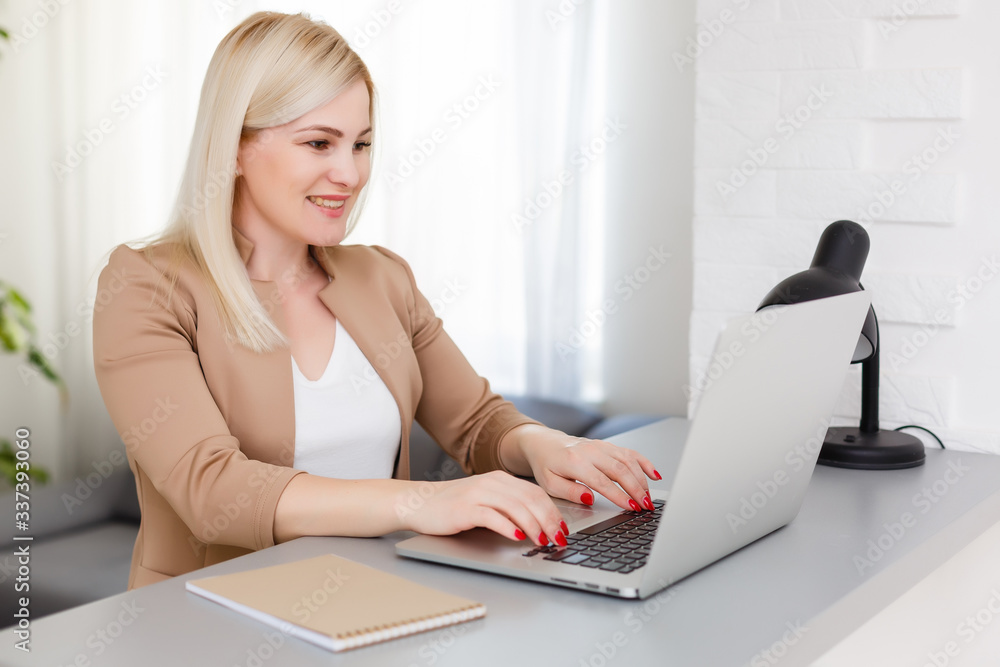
(38, 360)
(4, 34)
(17, 333)
(21, 310)
(8, 466)
(12, 332)
(18, 300)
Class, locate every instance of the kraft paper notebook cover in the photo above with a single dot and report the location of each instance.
(336, 603)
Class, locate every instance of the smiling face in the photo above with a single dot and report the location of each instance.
(301, 180)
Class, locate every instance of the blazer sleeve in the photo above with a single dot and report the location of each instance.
(150, 378)
(457, 407)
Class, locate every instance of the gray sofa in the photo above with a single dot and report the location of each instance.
(84, 529)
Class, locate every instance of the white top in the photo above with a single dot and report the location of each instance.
(346, 423)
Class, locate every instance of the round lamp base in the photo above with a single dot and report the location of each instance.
(849, 447)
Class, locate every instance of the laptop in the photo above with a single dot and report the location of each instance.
(761, 417)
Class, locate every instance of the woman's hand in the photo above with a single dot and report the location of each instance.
(572, 468)
(512, 507)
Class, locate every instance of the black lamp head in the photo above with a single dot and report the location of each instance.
(836, 269)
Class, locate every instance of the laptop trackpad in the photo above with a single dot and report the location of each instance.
(578, 516)
(581, 516)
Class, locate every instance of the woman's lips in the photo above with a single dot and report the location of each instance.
(331, 206)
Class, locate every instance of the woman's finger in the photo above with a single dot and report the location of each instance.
(526, 505)
(560, 487)
(490, 518)
(598, 480)
(634, 480)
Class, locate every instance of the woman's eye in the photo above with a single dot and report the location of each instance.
(318, 143)
(361, 145)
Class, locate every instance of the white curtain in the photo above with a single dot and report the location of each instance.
(483, 106)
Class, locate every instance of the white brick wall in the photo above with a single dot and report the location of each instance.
(784, 45)
(865, 196)
(911, 93)
(737, 96)
(793, 101)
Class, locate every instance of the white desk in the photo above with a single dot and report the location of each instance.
(797, 592)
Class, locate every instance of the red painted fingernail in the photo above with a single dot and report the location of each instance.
(647, 503)
(541, 538)
(519, 534)
(560, 539)
(634, 505)
(658, 476)
(562, 524)
(587, 499)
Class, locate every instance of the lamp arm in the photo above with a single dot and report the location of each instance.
(869, 385)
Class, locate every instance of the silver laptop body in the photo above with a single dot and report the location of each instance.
(762, 413)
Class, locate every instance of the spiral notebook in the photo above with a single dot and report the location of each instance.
(336, 603)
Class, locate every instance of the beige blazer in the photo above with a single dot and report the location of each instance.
(209, 427)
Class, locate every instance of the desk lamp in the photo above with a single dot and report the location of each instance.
(836, 269)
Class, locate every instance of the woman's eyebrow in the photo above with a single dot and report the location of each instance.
(329, 130)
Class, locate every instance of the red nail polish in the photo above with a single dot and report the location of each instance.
(634, 505)
(586, 498)
(542, 539)
(658, 476)
(560, 539)
(647, 503)
(519, 534)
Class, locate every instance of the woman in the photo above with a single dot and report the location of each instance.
(264, 377)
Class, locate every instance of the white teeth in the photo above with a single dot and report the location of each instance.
(327, 203)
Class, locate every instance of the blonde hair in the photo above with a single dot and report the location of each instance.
(269, 70)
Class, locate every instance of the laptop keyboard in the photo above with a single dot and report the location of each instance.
(619, 544)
